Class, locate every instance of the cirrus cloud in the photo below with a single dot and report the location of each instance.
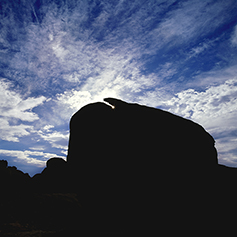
(27, 156)
(14, 111)
(216, 109)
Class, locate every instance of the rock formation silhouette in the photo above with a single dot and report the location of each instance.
(12, 179)
(131, 131)
(126, 156)
(54, 178)
(130, 169)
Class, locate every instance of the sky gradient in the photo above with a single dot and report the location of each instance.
(57, 56)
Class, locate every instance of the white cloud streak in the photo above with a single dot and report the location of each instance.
(56, 139)
(13, 106)
(234, 37)
(13, 132)
(215, 109)
(189, 21)
(14, 109)
(214, 102)
(28, 156)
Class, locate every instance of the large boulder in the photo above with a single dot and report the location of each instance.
(130, 157)
(139, 134)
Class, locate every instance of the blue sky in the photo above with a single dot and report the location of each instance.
(57, 56)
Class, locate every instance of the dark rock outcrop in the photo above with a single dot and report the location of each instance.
(140, 161)
(135, 132)
(38, 206)
(3, 164)
(13, 180)
(54, 178)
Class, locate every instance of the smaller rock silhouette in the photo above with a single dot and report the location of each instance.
(54, 178)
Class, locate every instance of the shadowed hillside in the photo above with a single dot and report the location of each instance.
(130, 169)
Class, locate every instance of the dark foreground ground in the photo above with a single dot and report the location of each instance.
(55, 214)
(190, 212)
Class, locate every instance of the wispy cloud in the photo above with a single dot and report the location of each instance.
(214, 102)
(201, 48)
(28, 156)
(234, 37)
(13, 132)
(55, 138)
(216, 109)
(14, 110)
(188, 21)
(13, 106)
